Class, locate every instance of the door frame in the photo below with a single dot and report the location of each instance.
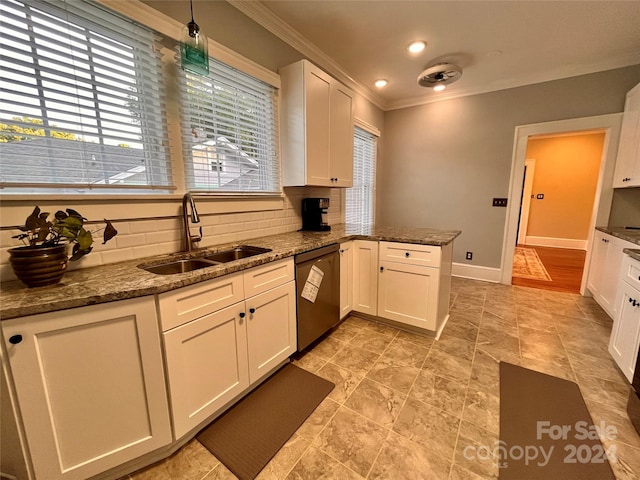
(530, 164)
(610, 125)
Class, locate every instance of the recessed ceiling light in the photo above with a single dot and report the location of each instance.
(438, 88)
(380, 83)
(417, 47)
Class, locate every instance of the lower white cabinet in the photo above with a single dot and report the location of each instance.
(625, 333)
(213, 358)
(89, 385)
(346, 278)
(365, 276)
(414, 283)
(606, 260)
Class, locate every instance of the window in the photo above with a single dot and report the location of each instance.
(81, 100)
(230, 133)
(360, 198)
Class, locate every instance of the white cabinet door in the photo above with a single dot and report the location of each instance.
(271, 329)
(317, 114)
(625, 334)
(206, 365)
(627, 172)
(598, 258)
(365, 276)
(90, 385)
(408, 294)
(341, 135)
(346, 278)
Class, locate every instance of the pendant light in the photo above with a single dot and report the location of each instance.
(193, 48)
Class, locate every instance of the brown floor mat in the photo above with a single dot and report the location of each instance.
(546, 416)
(248, 435)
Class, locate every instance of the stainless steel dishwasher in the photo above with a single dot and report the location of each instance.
(318, 293)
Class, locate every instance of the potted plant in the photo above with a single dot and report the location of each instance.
(43, 259)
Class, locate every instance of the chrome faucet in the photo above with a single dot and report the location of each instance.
(188, 239)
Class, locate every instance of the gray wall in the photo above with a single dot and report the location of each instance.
(625, 208)
(444, 162)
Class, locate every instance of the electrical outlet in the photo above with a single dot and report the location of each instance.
(499, 202)
(469, 255)
(540, 196)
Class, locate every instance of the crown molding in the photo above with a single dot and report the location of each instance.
(260, 14)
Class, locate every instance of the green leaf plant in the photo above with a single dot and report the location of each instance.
(65, 228)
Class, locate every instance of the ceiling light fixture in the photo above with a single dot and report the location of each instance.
(193, 48)
(439, 75)
(439, 88)
(381, 83)
(417, 47)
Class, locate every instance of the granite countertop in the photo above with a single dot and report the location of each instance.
(119, 281)
(632, 252)
(628, 234)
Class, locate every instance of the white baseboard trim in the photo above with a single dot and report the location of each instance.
(476, 272)
(572, 243)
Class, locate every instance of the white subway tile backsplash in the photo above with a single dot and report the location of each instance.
(125, 241)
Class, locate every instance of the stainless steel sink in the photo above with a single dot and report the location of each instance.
(179, 266)
(191, 264)
(237, 253)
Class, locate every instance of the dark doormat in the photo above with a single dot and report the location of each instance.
(546, 431)
(248, 435)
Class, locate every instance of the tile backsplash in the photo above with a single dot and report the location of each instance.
(156, 236)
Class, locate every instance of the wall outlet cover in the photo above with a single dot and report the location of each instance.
(499, 202)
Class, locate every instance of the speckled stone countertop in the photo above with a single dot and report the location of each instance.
(628, 234)
(632, 252)
(119, 281)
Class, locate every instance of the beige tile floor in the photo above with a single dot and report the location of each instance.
(409, 407)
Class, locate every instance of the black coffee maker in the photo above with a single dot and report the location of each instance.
(314, 214)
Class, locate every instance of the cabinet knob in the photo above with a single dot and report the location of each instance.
(15, 339)
(252, 310)
(242, 314)
(382, 269)
(406, 254)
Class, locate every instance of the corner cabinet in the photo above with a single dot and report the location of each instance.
(627, 171)
(316, 128)
(89, 386)
(223, 336)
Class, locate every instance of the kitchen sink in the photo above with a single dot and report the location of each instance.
(237, 253)
(191, 264)
(179, 266)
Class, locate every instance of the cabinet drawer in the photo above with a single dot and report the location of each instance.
(188, 303)
(265, 277)
(630, 272)
(410, 254)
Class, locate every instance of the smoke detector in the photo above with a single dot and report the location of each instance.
(439, 75)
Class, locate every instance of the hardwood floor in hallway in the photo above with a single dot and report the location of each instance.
(564, 266)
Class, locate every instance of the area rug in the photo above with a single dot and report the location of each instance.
(546, 431)
(527, 264)
(248, 435)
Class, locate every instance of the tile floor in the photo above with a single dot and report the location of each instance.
(407, 407)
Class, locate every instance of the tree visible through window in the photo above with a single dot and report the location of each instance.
(359, 203)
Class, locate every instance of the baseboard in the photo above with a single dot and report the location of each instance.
(476, 272)
(572, 243)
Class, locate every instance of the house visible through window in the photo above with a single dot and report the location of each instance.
(230, 133)
(359, 203)
(81, 100)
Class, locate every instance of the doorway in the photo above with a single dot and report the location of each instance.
(601, 204)
(558, 199)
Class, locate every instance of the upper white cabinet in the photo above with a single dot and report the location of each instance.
(627, 172)
(625, 333)
(316, 128)
(606, 260)
(90, 386)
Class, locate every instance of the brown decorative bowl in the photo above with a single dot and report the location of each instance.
(39, 266)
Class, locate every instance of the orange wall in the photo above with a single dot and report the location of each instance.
(566, 172)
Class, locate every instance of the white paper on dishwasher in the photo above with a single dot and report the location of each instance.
(312, 285)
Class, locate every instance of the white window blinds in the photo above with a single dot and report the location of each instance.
(360, 198)
(82, 100)
(230, 132)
